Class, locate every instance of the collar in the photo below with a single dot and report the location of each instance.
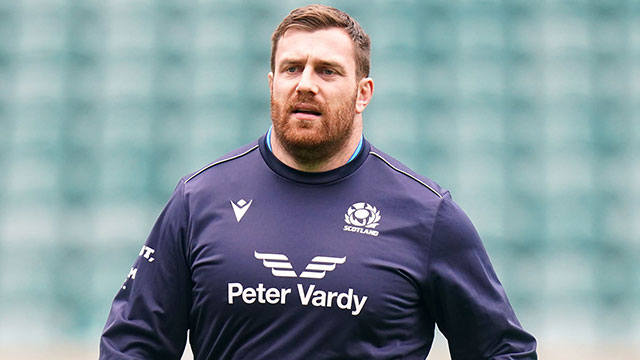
(280, 168)
(353, 156)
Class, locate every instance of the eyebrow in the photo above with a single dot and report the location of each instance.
(324, 63)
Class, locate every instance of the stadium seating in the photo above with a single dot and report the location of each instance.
(527, 111)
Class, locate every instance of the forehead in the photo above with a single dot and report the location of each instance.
(332, 44)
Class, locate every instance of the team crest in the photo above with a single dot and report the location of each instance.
(362, 218)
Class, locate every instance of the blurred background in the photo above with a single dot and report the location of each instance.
(528, 111)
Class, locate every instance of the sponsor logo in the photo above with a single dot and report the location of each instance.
(307, 295)
(240, 208)
(281, 267)
(362, 218)
(146, 253)
(319, 266)
(278, 263)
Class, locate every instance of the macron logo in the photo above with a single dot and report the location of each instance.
(316, 269)
(240, 208)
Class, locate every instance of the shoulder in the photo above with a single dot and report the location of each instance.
(401, 174)
(235, 159)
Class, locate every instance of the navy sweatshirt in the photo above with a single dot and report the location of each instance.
(260, 261)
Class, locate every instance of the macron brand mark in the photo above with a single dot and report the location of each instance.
(240, 208)
(362, 218)
(308, 295)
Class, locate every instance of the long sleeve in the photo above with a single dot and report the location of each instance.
(465, 296)
(149, 316)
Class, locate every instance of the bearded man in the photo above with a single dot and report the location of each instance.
(311, 243)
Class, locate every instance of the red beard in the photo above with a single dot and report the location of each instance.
(313, 141)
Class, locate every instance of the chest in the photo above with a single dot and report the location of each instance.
(314, 253)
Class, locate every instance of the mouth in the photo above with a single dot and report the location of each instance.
(306, 109)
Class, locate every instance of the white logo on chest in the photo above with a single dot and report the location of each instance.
(307, 294)
(240, 208)
(281, 267)
(362, 218)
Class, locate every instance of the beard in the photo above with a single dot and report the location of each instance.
(313, 141)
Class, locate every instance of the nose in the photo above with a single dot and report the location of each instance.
(307, 83)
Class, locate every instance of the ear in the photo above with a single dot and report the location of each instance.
(270, 77)
(365, 92)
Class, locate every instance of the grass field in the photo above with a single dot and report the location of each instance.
(549, 350)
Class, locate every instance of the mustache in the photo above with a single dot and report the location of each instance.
(303, 98)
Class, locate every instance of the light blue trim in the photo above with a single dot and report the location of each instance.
(269, 138)
(355, 153)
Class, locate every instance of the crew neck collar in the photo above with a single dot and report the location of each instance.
(353, 156)
(324, 177)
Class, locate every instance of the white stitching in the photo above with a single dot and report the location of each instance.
(405, 173)
(219, 162)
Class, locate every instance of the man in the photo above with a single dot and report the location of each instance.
(311, 243)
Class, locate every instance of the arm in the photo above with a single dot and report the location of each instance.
(149, 316)
(466, 297)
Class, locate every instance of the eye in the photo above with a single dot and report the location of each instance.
(328, 72)
(291, 69)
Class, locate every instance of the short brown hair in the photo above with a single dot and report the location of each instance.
(317, 17)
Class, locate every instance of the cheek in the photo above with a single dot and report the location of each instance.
(280, 88)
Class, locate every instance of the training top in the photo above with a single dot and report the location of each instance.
(257, 260)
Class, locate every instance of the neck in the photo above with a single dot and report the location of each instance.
(338, 159)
